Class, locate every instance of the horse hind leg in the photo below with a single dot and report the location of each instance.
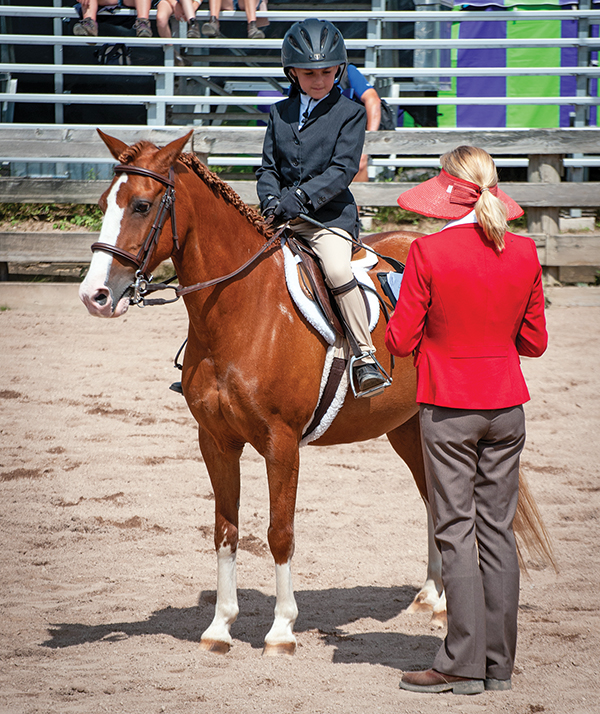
(224, 472)
(431, 597)
(406, 442)
(282, 472)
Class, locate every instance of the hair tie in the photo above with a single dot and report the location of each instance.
(484, 188)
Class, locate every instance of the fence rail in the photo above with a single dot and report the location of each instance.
(332, 15)
(275, 44)
(428, 71)
(545, 152)
(543, 195)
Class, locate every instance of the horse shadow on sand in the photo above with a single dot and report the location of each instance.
(326, 613)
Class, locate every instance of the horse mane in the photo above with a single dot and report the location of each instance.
(211, 179)
(219, 187)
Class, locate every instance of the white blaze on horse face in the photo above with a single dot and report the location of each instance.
(111, 228)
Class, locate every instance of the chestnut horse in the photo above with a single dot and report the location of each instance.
(253, 364)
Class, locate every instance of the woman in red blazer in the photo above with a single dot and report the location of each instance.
(470, 303)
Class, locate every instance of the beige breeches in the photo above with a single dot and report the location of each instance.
(335, 253)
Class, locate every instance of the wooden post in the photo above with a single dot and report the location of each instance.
(544, 168)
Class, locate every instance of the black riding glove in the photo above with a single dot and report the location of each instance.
(268, 208)
(291, 205)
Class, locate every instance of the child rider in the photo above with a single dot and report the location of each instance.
(311, 153)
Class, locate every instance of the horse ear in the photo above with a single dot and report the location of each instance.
(169, 154)
(115, 146)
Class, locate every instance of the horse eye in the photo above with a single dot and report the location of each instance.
(142, 207)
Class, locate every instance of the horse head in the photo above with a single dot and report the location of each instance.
(135, 206)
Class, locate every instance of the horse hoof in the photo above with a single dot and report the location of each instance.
(215, 646)
(438, 620)
(281, 648)
(418, 606)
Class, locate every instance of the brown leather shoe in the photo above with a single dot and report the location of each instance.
(429, 680)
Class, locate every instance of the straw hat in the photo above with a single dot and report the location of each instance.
(449, 197)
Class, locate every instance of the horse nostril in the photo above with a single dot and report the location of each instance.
(101, 298)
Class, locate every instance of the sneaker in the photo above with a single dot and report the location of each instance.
(86, 28)
(254, 33)
(211, 28)
(193, 29)
(142, 28)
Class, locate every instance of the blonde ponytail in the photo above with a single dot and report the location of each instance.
(475, 165)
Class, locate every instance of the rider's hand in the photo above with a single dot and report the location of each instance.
(291, 205)
(268, 208)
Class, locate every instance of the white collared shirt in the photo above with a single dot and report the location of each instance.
(469, 218)
(307, 104)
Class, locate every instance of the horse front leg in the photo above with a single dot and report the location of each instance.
(224, 471)
(282, 472)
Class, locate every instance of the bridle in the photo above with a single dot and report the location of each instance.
(144, 255)
(142, 285)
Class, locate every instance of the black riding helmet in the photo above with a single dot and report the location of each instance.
(313, 44)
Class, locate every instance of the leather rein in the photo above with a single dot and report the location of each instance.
(142, 285)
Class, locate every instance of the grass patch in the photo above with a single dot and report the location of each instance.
(82, 215)
(393, 214)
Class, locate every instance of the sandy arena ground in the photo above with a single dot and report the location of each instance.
(107, 565)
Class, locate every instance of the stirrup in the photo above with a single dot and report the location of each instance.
(375, 390)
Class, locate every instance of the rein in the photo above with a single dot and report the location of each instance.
(180, 291)
(142, 285)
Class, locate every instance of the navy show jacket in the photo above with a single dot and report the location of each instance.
(321, 158)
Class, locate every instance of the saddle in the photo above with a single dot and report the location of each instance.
(310, 293)
(313, 285)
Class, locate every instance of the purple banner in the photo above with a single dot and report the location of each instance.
(481, 115)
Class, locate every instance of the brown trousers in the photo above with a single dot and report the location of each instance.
(335, 254)
(472, 470)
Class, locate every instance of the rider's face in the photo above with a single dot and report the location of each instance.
(317, 83)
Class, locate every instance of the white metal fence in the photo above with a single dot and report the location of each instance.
(373, 46)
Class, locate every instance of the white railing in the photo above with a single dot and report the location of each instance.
(372, 45)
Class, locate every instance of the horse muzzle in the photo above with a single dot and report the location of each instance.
(100, 300)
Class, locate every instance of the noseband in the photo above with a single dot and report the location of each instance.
(142, 259)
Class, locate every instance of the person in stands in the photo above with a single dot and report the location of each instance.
(88, 26)
(471, 302)
(212, 27)
(356, 87)
(180, 10)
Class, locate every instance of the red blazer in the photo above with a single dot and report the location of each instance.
(468, 312)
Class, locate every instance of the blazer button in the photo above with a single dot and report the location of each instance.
(296, 142)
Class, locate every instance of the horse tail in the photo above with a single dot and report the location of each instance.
(530, 531)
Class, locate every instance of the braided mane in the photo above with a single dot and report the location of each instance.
(219, 187)
(211, 179)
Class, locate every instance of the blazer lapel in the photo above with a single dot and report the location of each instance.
(291, 113)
